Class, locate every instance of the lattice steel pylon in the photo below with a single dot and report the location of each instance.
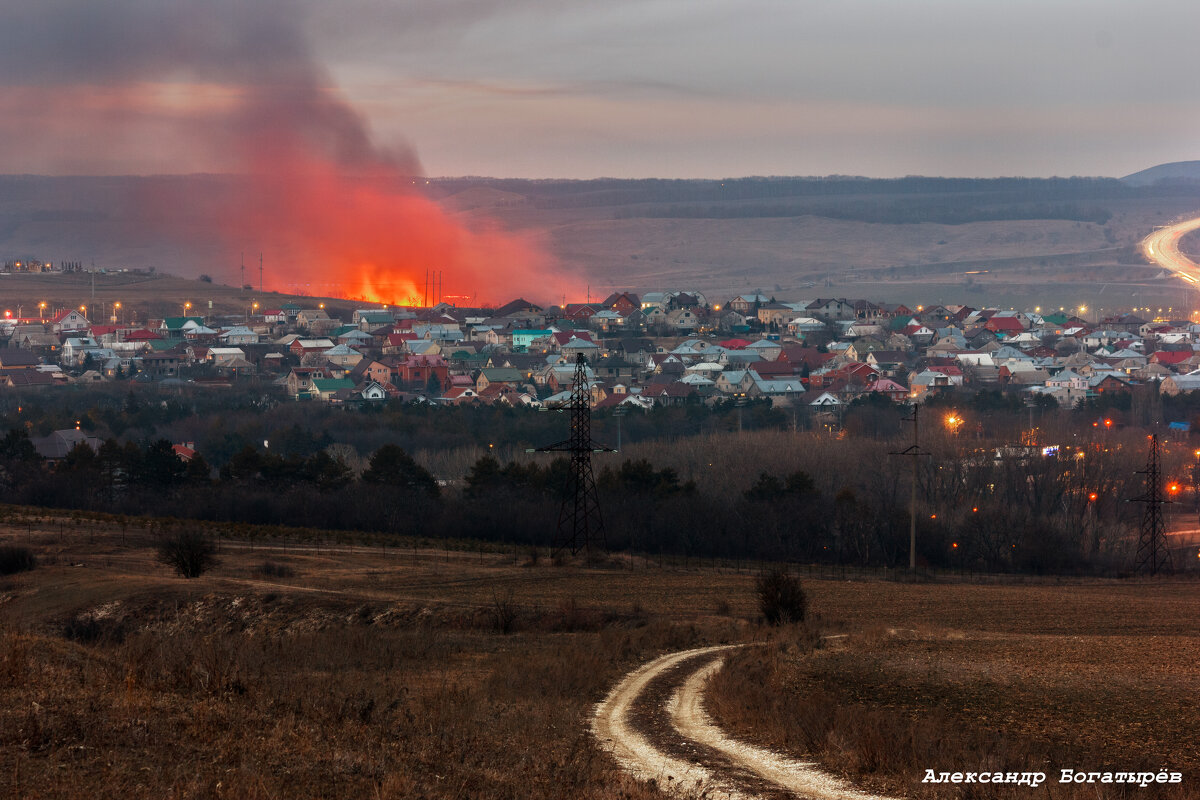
(580, 522)
(1152, 553)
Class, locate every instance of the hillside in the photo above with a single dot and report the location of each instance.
(887, 238)
(1173, 172)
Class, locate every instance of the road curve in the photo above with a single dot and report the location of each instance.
(1162, 247)
(640, 756)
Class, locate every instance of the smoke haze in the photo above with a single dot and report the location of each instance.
(238, 84)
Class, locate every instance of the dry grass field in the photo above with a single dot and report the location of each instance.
(362, 672)
(1089, 676)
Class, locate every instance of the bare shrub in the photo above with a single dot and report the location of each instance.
(781, 598)
(504, 612)
(190, 553)
(273, 569)
(16, 558)
(88, 629)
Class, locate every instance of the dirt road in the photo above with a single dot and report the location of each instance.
(655, 725)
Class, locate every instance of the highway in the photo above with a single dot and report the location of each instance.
(1162, 247)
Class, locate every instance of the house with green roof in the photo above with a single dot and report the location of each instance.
(172, 327)
(326, 388)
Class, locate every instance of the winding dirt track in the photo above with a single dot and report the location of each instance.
(718, 767)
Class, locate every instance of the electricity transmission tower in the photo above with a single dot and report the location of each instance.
(580, 523)
(1152, 553)
(915, 452)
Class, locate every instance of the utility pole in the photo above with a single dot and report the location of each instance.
(915, 452)
(260, 274)
(242, 285)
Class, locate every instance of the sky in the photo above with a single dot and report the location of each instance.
(618, 88)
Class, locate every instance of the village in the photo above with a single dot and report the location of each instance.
(662, 348)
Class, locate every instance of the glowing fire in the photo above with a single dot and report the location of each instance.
(370, 236)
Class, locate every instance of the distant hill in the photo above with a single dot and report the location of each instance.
(1176, 171)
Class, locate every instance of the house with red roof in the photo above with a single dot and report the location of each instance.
(1009, 326)
(69, 321)
(1170, 358)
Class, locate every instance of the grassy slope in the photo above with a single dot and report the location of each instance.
(372, 673)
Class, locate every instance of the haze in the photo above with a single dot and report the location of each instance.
(703, 88)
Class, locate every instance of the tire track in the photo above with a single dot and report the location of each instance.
(721, 767)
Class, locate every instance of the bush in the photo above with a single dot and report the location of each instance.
(86, 629)
(781, 598)
(272, 569)
(14, 558)
(190, 553)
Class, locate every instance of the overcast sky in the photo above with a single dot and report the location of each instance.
(653, 88)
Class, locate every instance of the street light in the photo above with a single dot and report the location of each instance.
(953, 422)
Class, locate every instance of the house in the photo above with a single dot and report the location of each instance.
(518, 306)
(308, 317)
(159, 365)
(780, 390)
(830, 309)
(367, 319)
(502, 375)
(327, 388)
(581, 312)
(371, 391)
(927, 381)
(521, 339)
(343, 355)
(747, 303)
(173, 327)
(238, 335)
(890, 389)
(778, 314)
(422, 370)
(682, 319)
(69, 321)
(575, 347)
(303, 347)
(734, 382)
(300, 381)
(14, 358)
(17, 378)
(225, 356)
(622, 302)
